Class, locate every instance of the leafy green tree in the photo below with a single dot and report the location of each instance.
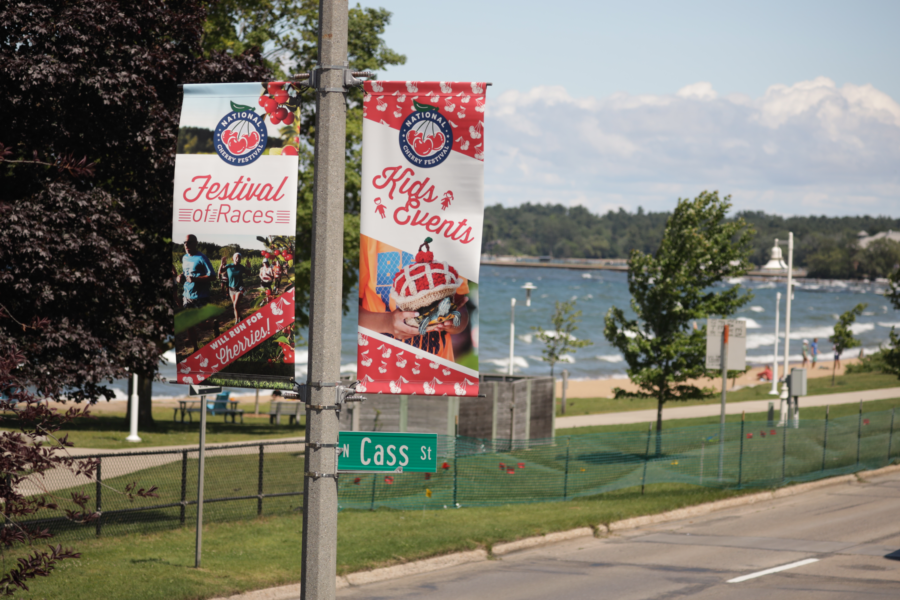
(879, 259)
(561, 341)
(90, 105)
(843, 339)
(286, 31)
(891, 354)
(678, 284)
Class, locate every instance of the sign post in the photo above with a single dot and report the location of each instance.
(201, 467)
(366, 451)
(726, 349)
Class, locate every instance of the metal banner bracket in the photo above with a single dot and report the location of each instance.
(314, 78)
(317, 445)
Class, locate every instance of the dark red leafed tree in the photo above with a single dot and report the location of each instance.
(90, 109)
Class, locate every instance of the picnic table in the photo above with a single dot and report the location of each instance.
(293, 409)
(220, 406)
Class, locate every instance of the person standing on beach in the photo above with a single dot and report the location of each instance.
(805, 352)
(235, 273)
(837, 358)
(814, 347)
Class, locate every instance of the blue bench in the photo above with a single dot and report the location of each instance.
(219, 406)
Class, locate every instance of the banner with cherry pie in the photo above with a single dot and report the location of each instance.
(422, 209)
(234, 223)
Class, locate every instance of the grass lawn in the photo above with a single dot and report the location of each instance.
(853, 382)
(108, 431)
(816, 412)
(246, 555)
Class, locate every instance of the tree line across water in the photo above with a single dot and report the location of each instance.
(826, 246)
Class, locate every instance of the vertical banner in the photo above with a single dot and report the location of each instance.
(420, 244)
(233, 232)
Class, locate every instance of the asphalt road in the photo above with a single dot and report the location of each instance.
(848, 533)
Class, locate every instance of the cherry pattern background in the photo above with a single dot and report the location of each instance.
(461, 103)
(388, 366)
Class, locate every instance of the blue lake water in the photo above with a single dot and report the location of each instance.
(815, 308)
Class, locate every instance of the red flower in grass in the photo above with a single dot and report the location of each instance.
(772, 432)
(749, 436)
(521, 465)
(510, 471)
(427, 476)
(356, 481)
(502, 466)
(865, 421)
(445, 466)
(389, 480)
(762, 433)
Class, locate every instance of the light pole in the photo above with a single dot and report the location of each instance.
(512, 334)
(785, 398)
(320, 483)
(776, 264)
(528, 287)
(774, 390)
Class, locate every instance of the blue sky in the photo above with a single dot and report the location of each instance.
(791, 107)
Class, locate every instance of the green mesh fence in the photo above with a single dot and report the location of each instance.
(243, 481)
(473, 472)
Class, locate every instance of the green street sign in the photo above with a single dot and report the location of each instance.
(387, 452)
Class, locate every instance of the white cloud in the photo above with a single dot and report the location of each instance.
(810, 147)
(702, 90)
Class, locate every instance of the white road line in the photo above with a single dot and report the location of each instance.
(792, 565)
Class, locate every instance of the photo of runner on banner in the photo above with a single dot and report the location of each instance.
(422, 211)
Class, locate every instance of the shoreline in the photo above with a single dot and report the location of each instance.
(578, 388)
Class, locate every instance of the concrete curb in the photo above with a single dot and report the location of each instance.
(415, 568)
(451, 560)
(540, 540)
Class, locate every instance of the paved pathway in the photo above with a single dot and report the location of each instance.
(123, 462)
(710, 410)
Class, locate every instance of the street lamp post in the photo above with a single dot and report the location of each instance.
(774, 390)
(512, 334)
(785, 397)
(528, 287)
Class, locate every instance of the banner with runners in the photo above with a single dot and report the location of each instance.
(422, 207)
(233, 232)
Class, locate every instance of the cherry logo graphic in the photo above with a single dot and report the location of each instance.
(241, 136)
(425, 146)
(426, 137)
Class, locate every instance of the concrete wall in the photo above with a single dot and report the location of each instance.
(526, 403)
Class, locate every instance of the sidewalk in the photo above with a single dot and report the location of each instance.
(62, 478)
(671, 412)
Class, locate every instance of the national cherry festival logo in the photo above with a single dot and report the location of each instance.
(241, 136)
(425, 136)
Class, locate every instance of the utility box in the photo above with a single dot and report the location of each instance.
(797, 383)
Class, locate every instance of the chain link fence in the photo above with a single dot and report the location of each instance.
(244, 481)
